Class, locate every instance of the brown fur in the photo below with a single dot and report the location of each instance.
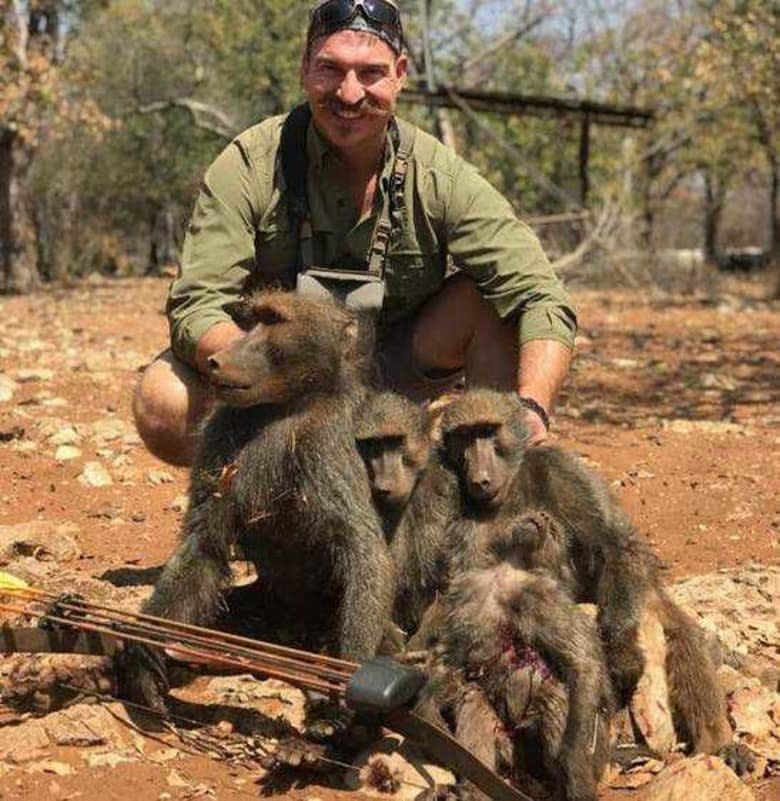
(608, 564)
(419, 503)
(299, 504)
(535, 658)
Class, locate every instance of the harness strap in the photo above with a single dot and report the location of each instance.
(294, 169)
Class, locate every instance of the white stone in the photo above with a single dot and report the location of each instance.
(95, 475)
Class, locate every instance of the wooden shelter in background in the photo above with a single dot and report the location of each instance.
(588, 112)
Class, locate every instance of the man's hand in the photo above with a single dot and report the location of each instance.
(536, 426)
(543, 366)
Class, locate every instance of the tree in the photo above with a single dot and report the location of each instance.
(28, 86)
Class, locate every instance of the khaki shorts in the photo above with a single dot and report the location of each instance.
(400, 372)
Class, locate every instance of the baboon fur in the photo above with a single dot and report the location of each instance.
(414, 495)
(484, 441)
(515, 642)
(278, 479)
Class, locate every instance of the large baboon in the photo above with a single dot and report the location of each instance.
(414, 495)
(515, 645)
(278, 478)
(485, 443)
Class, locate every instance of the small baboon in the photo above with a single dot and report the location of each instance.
(278, 479)
(516, 649)
(484, 441)
(414, 495)
(392, 435)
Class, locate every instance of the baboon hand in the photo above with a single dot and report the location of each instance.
(530, 529)
(327, 721)
(142, 677)
(442, 792)
(739, 758)
(579, 780)
(294, 752)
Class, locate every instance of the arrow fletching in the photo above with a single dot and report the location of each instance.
(11, 583)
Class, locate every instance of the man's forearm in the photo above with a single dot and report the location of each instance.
(543, 366)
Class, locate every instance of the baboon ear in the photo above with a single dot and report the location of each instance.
(241, 312)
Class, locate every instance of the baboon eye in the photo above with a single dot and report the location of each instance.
(485, 431)
(268, 316)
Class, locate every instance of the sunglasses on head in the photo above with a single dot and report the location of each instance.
(336, 12)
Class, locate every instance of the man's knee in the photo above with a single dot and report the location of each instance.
(168, 402)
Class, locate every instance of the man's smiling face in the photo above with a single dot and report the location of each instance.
(352, 79)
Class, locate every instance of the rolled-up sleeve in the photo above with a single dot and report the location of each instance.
(219, 250)
(505, 259)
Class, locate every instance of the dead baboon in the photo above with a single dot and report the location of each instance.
(484, 441)
(514, 642)
(414, 495)
(278, 479)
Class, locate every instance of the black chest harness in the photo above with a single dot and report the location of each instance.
(359, 289)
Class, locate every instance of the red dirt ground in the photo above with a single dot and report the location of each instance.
(674, 400)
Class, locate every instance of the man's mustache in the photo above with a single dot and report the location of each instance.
(364, 106)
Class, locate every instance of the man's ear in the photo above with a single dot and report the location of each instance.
(402, 69)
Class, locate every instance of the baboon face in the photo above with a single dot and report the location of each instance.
(484, 440)
(294, 346)
(480, 454)
(393, 438)
(392, 469)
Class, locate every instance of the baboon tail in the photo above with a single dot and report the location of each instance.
(698, 703)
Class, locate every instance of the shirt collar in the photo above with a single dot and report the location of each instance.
(319, 152)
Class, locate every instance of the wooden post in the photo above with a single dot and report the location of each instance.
(444, 129)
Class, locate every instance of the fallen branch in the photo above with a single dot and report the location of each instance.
(219, 123)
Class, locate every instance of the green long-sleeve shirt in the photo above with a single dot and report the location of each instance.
(240, 237)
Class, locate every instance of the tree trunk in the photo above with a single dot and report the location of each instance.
(774, 226)
(163, 250)
(18, 253)
(714, 192)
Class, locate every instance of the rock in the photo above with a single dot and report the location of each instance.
(67, 435)
(159, 477)
(703, 778)
(718, 381)
(739, 607)
(754, 710)
(402, 762)
(108, 759)
(29, 375)
(624, 364)
(50, 766)
(650, 707)
(636, 776)
(89, 725)
(179, 503)
(40, 539)
(95, 475)
(67, 452)
(108, 429)
(23, 743)
(705, 427)
(175, 779)
(271, 698)
(7, 387)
